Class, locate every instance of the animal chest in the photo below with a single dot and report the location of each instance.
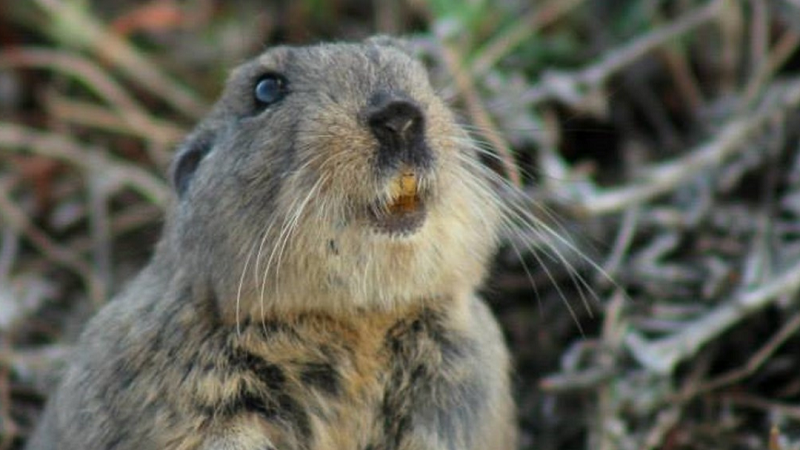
(316, 383)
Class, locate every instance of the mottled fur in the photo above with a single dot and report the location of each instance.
(273, 316)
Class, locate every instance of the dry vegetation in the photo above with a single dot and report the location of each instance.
(658, 137)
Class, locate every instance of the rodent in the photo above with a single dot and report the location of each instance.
(315, 284)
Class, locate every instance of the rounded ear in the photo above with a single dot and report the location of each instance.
(394, 42)
(188, 159)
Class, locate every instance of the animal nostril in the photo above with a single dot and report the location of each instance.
(395, 117)
(398, 124)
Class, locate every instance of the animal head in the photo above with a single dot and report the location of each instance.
(331, 176)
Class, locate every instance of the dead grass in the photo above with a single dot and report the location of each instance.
(658, 138)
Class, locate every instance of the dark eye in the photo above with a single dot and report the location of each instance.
(269, 89)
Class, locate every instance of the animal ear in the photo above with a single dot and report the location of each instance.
(390, 41)
(188, 159)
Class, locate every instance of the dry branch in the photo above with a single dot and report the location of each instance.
(478, 112)
(125, 114)
(16, 218)
(524, 28)
(664, 354)
(91, 115)
(84, 156)
(574, 88)
(666, 177)
(74, 25)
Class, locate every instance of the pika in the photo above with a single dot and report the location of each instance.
(315, 284)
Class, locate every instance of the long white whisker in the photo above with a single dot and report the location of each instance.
(256, 270)
(269, 260)
(280, 234)
(510, 213)
(514, 211)
(293, 224)
(239, 290)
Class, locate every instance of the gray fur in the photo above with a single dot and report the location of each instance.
(273, 315)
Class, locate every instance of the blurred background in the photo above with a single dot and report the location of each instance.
(655, 304)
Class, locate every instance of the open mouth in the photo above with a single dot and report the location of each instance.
(404, 212)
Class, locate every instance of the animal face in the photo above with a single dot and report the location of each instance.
(332, 177)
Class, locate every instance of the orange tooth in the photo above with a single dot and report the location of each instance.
(408, 184)
(405, 192)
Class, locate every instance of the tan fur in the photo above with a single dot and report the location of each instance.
(275, 315)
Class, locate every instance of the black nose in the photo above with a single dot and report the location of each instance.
(397, 122)
(394, 118)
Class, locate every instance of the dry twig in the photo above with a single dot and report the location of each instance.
(52, 145)
(478, 112)
(665, 177)
(16, 218)
(752, 365)
(158, 132)
(126, 114)
(573, 88)
(664, 354)
(73, 23)
(784, 49)
(524, 28)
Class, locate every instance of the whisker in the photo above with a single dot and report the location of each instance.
(280, 235)
(287, 230)
(239, 290)
(269, 260)
(514, 213)
(551, 253)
